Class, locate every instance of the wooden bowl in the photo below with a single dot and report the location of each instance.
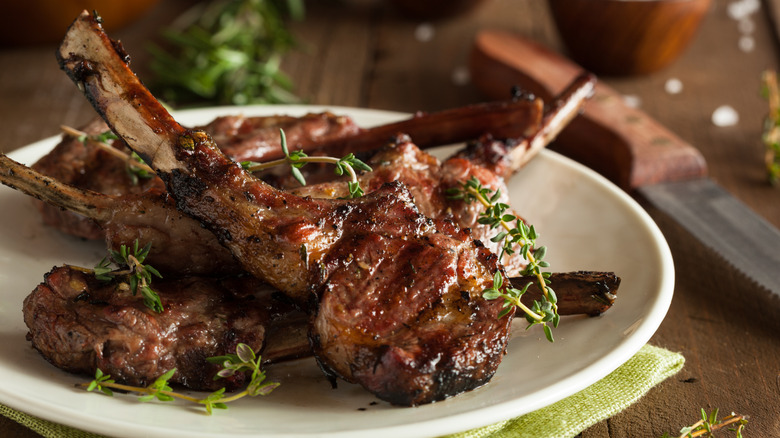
(28, 22)
(627, 37)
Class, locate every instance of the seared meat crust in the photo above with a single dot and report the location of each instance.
(257, 138)
(80, 324)
(429, 181)
(398, 305)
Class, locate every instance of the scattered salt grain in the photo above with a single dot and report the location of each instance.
(673, 86)
(746, 43)
(725, 116)
(461, 76)
(632, 100)
(743, 8)
(424, 32)
(741, 11)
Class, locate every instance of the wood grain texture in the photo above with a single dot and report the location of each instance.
(619, 141)
(368, 56)
(727, 329)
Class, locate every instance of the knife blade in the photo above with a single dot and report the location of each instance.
(635, 152)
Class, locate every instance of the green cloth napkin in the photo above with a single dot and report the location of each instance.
(566, 418)
(605, 398)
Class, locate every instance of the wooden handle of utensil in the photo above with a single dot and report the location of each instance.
(620, 142)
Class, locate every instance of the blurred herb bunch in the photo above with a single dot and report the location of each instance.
(226, 52)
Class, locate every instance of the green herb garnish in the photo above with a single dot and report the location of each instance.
(297, 159)
(497, 214)
(128, 265)
(103, 137)
(244, 361)
(227, 52)
(771, 136)
(710, 423)
(137, 169)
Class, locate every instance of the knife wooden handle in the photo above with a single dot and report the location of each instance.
(622, 143)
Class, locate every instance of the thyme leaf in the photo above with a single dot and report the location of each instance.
(127, 264)
(519, 236)
(102, 383)
(347, 165)
(227, 52)
(709, 423)
(771, 135)
(244, 360)
(137, 169)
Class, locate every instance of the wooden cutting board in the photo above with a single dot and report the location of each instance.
(620, 142)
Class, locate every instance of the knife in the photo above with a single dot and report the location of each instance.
(635, 152)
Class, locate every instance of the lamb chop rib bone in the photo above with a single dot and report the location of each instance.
(411, 332)
(580, 292)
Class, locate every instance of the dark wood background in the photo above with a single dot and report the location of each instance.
(365, 54)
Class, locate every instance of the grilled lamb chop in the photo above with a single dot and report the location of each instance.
(250, 139)
(79, 324)
(411, 332)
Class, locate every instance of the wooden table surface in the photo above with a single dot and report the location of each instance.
(364, 54)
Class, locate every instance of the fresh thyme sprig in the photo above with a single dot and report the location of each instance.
(771, 137)
(136, 167)
(710, 423)
(497, 214)
(541, 312)
(129, 264)
(245, 360)
(297, 159)
(227, 52)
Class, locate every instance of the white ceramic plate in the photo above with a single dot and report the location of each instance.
(585, 221)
